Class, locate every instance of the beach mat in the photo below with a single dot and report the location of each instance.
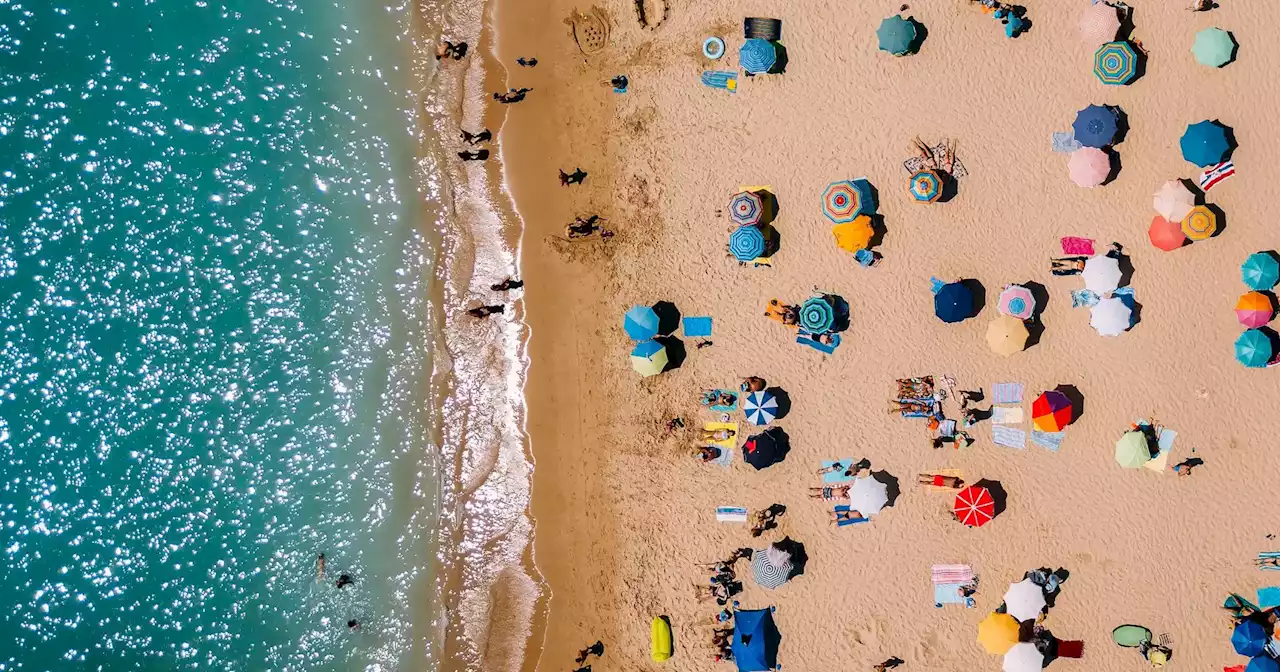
(1077, 247)
(731, 514)
(837, 476)
(1007, 415)
(1010, 437)
(1049, 440)
(804, 338)
(727, 444)
(1006, 393)
(725, 459)
(949, 593)
(720, 408)
(850, 521)
(697, 327)
(947, 574)
(720, 79)
(1269, 597)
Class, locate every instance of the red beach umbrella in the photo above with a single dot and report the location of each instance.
(975, 506)
(1166, 235)
(1051, 411)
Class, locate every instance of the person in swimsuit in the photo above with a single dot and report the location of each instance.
(940, 481)
(830, 492)
(842, 516)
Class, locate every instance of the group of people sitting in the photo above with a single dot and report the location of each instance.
(723, 586)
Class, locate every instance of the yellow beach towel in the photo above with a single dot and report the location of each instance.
(728, 444)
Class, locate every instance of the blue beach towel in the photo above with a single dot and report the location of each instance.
(1269, 597)
(1006, 393)
(1050, 440)
(936, 285)
(720, 79)
(1084, 298)
(720, 408)
(731, 514)
(849, 521)
(837, 476)
(697, 327)
(805, 338)
(1010, 437)
(949, 593)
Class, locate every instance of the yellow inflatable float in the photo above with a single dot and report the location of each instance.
(660, 639)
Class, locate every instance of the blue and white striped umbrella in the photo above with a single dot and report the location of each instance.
(761, 407)
(757, 56)
(746, 243)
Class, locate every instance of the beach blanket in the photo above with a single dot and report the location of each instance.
(1050, 440)
(952, 574)
(731, 514)
(1064, 142)
(1010, 437)
(917, 163)
(1269, 597)
(936, 285)
(725, 459)
(721, 408)
(947, 428)
(1075, 247)
(949, 593)
(1006, 393)
(1165, 443)
(805, 338)
(1084, 298)
(1211, 176)
(697, 327)
(837, 476)
(720, 79)
(728, 444)
(1006, 415)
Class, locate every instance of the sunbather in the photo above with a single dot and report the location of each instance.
(766, 519)
(940, 481)
(718, 398)
(708, 453)
(1067, 265)
(844, 515)
(1184, 467)
(830, 492)
(718, 434)
(896, 406)
(1267, 562)
(850, 470)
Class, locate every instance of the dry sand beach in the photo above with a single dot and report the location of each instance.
(624, 514)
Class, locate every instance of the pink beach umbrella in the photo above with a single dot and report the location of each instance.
(1017, 301)
(1089, 167)
(1254, 309)
(1099, 24)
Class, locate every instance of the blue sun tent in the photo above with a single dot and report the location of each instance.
(755, 640)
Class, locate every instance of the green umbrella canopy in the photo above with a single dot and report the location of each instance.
(1213, 47)
(896, 35)
(1132, 451)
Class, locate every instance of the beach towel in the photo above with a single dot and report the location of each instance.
(727, 444)
(865, 258)
(731, 514)
(936, 285)
(1215, 174)
(1075, 247)
(917, 163)
(1064, 142)
(1084, 298)
(946, 574)
(805, 338)
(837, 476)
(947, 428)
(848, 521)
(1006, 415)
(949, 593)
(1269, 597)
(725, 459)
(720, 79)
(1006, 393)
(721, 408)
(1050, 440)
(1165, 443)
(697, 327)
(1009, 437)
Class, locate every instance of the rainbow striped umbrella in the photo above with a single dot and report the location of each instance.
(746, 209)
(1200, 223)
(926, 186)
(845, 200)
(746, 243)
(1115, 63)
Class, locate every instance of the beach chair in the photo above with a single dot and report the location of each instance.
(866, 258)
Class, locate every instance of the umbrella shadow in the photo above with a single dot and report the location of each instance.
(1235, 49)
(1122, 124)
(1072, 393)
(799, 558)
(771, 207)
(878, 231)
(1126, 25)
(979, 292)
(841, 309)
(1221, 216)
(1194, 188)
(1135, 309)
(1126, 269)
(1116, 165)
(1036, 326)
(892, 488)
(922, 34)
(998, 494)
(676, 352)
(950, 187)
(783, 399)
(668, 317)
(780, 63)
(772, 239)
(1139, 64)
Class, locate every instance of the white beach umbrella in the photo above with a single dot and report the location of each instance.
(1101, 274)
(1023, 657)
(1111, 317)
(1174, 201)
(771, 567)
(1024, 600)
(868, 496)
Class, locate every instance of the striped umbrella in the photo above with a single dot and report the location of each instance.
(1205, 143)
(1254, 309)
(1260, 271)
(771, 567)
(757, 56)
(746, 209)
(1200, 223)
(1253, 348)
(1115, 63)
(1165, 234)
(817, 315)
(974, 506)
(649, 358)
(926, 186)
(640, 323)
(761, 407)
(1174, 200)
(1089, 166)
(746, 243)
(1051, 411)
(845, 200)
(1017, 301)
(1099, 24)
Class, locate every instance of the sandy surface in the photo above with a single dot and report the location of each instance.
(624, 513)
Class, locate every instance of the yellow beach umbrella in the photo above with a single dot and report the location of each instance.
(997, 633)
(855, 235)
(1006, 335)
(1200, 223)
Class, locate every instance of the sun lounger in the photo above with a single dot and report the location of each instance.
(805, 338)
(697, 327)
(727, 444)
(1049, 440)
(849, 521)
(731, 514)
(837, 476)
(1269, 597)
(721, 408)
(720, 79)
(1006, 393)
(1010, 437)
(949, 593)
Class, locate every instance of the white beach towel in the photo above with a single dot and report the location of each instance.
(1009, 437)
(1006, 415)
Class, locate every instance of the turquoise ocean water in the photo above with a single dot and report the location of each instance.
(216, 273)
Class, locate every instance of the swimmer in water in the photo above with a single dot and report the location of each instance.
(344, 581)
(320, 567)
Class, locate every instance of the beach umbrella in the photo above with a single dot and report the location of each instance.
(641, 323)
(1007, 335)
(1249, 638)
(1115, 63)
(1017, 301)
(1200, 223)
(771, 567)
(1099, 24)
(1253, 349)
(1254, 309)
(896, 35)
(953, 303)
(1173, 200)
(925, 186)
(1213, 47)
(974, 506)
(1102, 274)
(649, 358)
(1205, 143)
(1165, 234)
(1133, 450)
(1051, 411)
(868, 496)
(746, 208)
(1023, 657)
(1262, 663)
(997, 633)
(846, 199)
(1110, 316)
(765, 450)
(855, 235)
(1260, 271)
(817, 315)
(1089, 166)
(1095, 126)
(757, 56)
(755, 640)
(1024, 600)
(760, 407)
(747, 243)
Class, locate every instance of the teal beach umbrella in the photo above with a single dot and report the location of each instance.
(1213, 47)
(1205, 143)
(1253, 348)
(640, 323)
(1261, 271)
(896, 35)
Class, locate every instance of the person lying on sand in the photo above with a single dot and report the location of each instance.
(718, 398)
(708, 453)
(766, 519)
(717, 434)
(896, 406)
(1184, 467)
(841, 516)
(1267, 562)
(940, 481)
(830, 493)
(850, 470)
(753, 384)
(1067, 265)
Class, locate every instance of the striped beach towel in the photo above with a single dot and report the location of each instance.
(952, 574)
(731, 514)
(1216, 173)
(1007, 415)
(1050, 440)
(1006, 393)
(1010, 437)
(1077, 246)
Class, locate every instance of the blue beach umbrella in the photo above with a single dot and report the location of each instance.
(1249, 638)
(1115, 63)
(1263, 664)
(953, 303)
(817, 315)
(760, 407)
(640, 323)
(1205, 143)
(1095, 126)
(1260, 271)
(896, 35)
(755, 640)
(757, 56)
(1253, 348)
(746, 243)
(649, 358)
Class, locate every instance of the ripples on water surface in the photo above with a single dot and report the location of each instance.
(215, 345)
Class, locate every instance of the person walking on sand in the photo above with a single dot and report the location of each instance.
(596, 649)
(507, 285)
(1184, 467)
(576, 177)
(481, 155)
(888, 664)
(526, 62)
(473, 138)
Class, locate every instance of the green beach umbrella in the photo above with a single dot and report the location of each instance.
(1213, 47)
(896, 35)
(1132, 451)
(649, 358)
